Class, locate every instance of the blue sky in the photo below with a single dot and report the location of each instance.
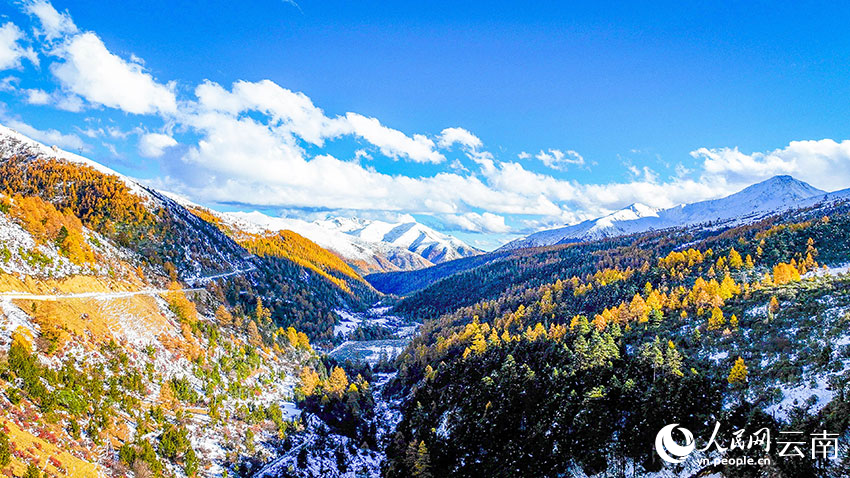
(484, 120)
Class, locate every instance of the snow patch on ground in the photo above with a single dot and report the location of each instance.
(11, 319)
(799, 396)
(376, 316)
(834, 270)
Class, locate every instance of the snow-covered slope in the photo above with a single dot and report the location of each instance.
(14, 144)
(776, 194)
(205, 250)
(370, 246)
(613, 224)
(412, 236)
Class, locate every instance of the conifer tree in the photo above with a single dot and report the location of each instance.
(673, 359)
(337, 382)
(738, 374)
(223, 316)
(716, 320)
(735, 261)
(774, 305)
(309, 381)
(254, 337)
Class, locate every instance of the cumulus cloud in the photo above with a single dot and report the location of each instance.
(153, 145)
(294, 114)
(393, 143)
(53, 24)
(37, 97)
(11, 51)
(91, 71)
(824, 163)
(451, 136)
(560, 160)
(288, 111)
(474, 222)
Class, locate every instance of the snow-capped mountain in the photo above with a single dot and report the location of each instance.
(613, 224)
(412, 236)
(776, 194)
(370, 246)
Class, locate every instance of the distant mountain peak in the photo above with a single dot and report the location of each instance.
(367, 245)
(782, 184)
(779, 193)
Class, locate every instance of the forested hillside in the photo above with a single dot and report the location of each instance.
(568, 360)
(172, 240)
(138, 339)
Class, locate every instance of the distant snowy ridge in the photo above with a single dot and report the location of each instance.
(367, 245)
(777, 194)
(613, 224)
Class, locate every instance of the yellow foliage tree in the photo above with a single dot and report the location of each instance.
(774, 305)
(638, 309)
(716, 321)
(738, 374)
(735, 261)
(784, 273)
(309, 381)
(337, 382)
(181, 306)
(223, 316)
(254, 337)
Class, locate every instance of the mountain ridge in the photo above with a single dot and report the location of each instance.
(368, 245)
(776, 194)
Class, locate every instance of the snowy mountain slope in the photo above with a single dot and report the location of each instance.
(613, 224)
(776, 194)
(198, 249)
(13, 144)
(370, 246)
(428, 243)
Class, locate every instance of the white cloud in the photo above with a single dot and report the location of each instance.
(450, 136)
(239, 158)
(9, 83)
(69, 102)
(292, 113)
(11, 51)
(824, 163)
(393, 143)
(153, 145)
(523, 155)
(288, 111)
(475, 222)
(37, 97)
(59, 99)
(91, 71)
(49, 137)
(53, 24)
(560, 160)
